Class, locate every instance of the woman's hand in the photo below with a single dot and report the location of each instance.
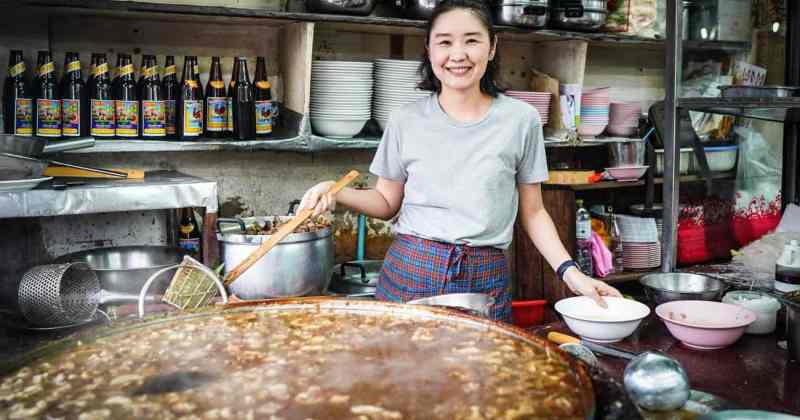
(318, 198)
(582, 284)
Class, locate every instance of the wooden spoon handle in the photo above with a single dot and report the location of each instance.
(560, 338)
(283, 232)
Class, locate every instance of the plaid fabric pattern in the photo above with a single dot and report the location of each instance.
(415, 268)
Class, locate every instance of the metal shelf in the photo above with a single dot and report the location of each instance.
(311, 143)
(347, 22)
(769, 109)
(157, 191)
(725, 46)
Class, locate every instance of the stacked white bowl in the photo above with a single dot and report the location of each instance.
(539, 100)
(341, 97)
(395, 85)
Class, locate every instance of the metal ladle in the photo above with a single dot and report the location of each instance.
(654, 381)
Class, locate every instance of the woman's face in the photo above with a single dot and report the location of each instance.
(459, 49)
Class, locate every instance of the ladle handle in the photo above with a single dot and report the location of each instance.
(283, 232)
(560, 338)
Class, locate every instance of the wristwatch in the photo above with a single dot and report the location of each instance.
(562, 269)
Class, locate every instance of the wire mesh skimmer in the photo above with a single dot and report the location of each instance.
(58, 294)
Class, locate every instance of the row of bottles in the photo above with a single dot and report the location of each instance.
(120, 106)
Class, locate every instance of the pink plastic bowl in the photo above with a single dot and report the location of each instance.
(705, 325)
(627, 173)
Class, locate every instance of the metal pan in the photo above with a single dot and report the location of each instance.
(524, 338)
(30, 148)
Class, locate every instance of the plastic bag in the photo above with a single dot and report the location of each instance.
(634, 17)
(758, 188)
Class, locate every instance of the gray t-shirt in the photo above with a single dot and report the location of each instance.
(461, 178)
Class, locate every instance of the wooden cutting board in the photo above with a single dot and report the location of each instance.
(62, 172)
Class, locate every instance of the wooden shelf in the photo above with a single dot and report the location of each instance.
(605, 185)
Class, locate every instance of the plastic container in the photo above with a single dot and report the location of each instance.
(720, 158)
(765, 307)
(527, 313)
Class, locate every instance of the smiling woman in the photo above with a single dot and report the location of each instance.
(453, 49)
(458, 166)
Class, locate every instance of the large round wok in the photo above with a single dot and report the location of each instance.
(193, 380)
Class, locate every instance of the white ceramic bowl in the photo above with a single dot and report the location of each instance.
(603, 325)
(337, 127)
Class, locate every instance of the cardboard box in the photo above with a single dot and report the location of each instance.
(569, 177)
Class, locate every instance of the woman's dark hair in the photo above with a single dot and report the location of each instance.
(490, 84)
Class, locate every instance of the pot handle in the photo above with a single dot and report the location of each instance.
(360, 267)
(231, 221)
(292, 206)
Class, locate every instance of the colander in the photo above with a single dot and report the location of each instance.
(56, 295)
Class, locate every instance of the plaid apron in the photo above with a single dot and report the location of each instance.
(416, 268)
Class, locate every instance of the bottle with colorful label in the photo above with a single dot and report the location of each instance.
(216, 104)
(190, 102)
(170, 91)
(126, 100)
(74, 106)
(17, 98)
(48, 102)
(153, 109)
(264, 107)
(103, 121)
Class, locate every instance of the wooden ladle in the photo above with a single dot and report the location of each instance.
(283, 232)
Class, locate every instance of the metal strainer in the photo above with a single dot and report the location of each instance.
(59, 294)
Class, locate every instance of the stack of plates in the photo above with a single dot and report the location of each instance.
(341, 97)
(395, 85)
(539, 100)
(594, 112)
(641, 255)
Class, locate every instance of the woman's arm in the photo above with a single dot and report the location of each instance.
(540, 228)
(383, 202)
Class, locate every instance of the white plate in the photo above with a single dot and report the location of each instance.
(19, 185)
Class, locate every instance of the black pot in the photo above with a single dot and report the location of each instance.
(355, 277)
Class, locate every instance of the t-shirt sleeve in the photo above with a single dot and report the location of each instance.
(532, 168)
(388, 161)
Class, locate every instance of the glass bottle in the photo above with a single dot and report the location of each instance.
(153, 113)
(216, 103)
(102, 119)
(126, 100)
(190, 104)
(170, 91)
(244, 127)
(583, 236)
(17, 98)
(48, 102)
(264, 110)
(74, 99)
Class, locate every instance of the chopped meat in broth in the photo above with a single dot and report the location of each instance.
(297, 364)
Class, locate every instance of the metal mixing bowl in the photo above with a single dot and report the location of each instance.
(626, 153)
(125, 269)
(666, 287)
